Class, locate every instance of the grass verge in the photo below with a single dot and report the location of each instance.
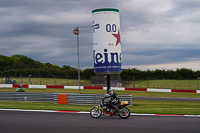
(138, 106)
(119, 92)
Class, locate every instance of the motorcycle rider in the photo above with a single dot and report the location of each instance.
(114, 99)
(19, 89)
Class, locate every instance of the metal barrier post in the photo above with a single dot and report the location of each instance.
(108, 83)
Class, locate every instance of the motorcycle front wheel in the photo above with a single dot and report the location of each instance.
(95, 112)
(124, 113)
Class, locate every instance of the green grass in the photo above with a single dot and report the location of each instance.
(42, 106)
(165, 107)
(49, 81)
(119, 92)
(138, 106)
(162, 84)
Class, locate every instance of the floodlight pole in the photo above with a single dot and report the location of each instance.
(79, 77)
(79, 82)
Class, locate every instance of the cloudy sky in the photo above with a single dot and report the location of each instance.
(155, 34)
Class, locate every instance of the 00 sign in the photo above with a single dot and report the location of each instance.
(111, 28)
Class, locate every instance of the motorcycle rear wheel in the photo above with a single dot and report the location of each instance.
(124, 113)
(95, 112)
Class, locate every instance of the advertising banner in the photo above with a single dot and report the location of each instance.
(106, 41)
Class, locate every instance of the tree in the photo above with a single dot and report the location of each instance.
(26, 62)
(64, 67)
(184, 73)
(87, 73)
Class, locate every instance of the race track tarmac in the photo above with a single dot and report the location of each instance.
(43, 122)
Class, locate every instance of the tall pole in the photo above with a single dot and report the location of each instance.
(40, 80)
(54, 80)
(108, 83)
(5, 79)
(76, 32)
(163, 83)
(21, 78)
(78, 62)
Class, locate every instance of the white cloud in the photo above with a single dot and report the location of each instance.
(62, 18)
(194, 65)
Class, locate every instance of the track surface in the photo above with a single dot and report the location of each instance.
(40, 122)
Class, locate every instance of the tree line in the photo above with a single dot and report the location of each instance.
(21, 65)
(179, 73)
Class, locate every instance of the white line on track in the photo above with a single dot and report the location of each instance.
(83, 112)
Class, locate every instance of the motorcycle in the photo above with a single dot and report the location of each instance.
(121, 111)
(20, 90)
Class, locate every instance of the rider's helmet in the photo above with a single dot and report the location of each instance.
(111, 91)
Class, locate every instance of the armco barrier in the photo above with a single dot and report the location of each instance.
(58, 98)
(86, 99)
(80, 99)
(26, 96)
(101, 88)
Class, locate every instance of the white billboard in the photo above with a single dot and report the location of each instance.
(106, 41)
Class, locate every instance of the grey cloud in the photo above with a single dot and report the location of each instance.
(153, 32)
(162, 56)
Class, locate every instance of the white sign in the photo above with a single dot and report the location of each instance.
(106, 41)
